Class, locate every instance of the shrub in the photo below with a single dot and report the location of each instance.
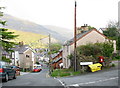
(6, 59)
(113, 65)
(97, 49)
(117, 57)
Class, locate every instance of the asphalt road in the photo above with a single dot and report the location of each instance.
(101, 78)
(34, 79)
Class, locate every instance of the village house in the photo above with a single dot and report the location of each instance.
(24, 57)
(83, 37)
(56, 59)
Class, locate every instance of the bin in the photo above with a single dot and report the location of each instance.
(95, 67)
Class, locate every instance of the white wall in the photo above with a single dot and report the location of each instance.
(91, 37)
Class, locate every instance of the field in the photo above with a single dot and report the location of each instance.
(32, 39)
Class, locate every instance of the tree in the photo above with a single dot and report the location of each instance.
(113, 32)
(90, 27)
(118, 43)
(55, 47)
(5, 37)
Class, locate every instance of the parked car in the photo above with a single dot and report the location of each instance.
(17, 69)
(6, 72)
(37, 69)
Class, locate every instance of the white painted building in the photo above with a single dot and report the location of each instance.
(90, 36)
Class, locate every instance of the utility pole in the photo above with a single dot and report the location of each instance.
(49, 53)
(75, 64)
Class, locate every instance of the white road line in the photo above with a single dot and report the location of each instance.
(60, 81)
(47, 75)
(79, 84)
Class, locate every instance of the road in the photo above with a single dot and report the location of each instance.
(100, 78)
(34, 79)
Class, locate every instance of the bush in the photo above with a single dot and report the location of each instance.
(6, 59)
(117, 57)
(113, 65)
(102, 49)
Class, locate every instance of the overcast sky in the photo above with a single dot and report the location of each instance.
(96, 13)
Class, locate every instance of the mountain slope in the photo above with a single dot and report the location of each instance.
(23, 25)
(32, 39)
(67, 33)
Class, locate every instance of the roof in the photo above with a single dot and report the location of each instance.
(21, 49)
(79, 36)
(56, 60)
(5, 53)
(56, 54)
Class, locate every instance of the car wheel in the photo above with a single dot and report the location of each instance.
(14, 76)
(6, 78)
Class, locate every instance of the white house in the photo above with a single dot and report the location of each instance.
(23, 56)
(90, 36)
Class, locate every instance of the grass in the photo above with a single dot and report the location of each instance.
(64, 72)
(29, 38)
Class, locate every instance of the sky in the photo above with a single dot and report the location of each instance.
(96, 13)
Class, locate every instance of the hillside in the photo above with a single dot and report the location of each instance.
(32, 39)
(67, 33)
(23, 25)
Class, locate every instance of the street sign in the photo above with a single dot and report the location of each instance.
(86, 63)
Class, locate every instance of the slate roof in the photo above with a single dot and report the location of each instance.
(69, 42)
(56, 60)
(21, 49)
(55, 54)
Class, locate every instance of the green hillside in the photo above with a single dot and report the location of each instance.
(29, 38)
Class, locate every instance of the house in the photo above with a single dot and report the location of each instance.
(24, 57)
(83, 38)
(102, 29)
(56, 59)
(4, 54)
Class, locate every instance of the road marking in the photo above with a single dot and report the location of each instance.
(60, 81)
(79, 84)
(47, 75)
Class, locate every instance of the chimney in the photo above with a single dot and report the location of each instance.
(84, 25)
(21, 43)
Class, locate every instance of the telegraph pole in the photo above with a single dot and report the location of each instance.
(75, 64)
(49, 53)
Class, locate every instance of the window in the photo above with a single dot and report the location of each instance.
(27, 56)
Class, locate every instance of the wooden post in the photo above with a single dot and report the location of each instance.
(75, 64)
